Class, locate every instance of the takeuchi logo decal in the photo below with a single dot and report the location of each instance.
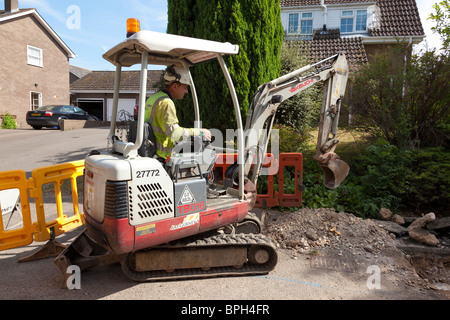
(301, 85)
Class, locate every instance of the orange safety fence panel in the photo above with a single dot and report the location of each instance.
(273, 167)
(294, 160)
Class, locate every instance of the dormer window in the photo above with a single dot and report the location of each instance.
(293, 23)
(353, 21)
(361, 20)
(306, 23)
(301, 23)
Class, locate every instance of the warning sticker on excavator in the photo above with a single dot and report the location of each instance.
(186, 197)
(143, 230)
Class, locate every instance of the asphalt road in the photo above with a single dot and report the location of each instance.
(292, 279)
(27, 149)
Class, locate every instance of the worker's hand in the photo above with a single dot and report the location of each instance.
(206, 134)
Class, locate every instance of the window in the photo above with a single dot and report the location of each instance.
(78, 110)
(36, 100)
(347, 21)
(293, 23)
(68, 109)
(301, 23)
(352, 23)
(361, 20)
(306, 23)
(34, 56)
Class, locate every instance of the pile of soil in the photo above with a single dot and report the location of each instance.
(361, 242)
(312, 230)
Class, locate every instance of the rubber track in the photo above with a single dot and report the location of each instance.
(214, 241)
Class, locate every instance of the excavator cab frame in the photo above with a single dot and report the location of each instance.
(147, 47)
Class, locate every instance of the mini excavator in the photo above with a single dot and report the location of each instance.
(155, 218)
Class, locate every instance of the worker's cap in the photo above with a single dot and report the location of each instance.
(174, 74)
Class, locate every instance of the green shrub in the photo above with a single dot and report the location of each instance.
(290, 139)
(315, 194)
(385, 177)
(430, 180)
(406, 103)
(8, 122)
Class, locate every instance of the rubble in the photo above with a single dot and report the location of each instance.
(314, 229)
(326, 233)
(385, 214)
(416, 231)
(398, 219)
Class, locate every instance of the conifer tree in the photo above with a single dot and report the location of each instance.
(254, 25)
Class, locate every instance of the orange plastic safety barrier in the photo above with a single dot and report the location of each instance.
(274, 166)
(41, 230)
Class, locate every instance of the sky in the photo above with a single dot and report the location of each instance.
(90, 28)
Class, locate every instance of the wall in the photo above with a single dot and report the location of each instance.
(18, 79)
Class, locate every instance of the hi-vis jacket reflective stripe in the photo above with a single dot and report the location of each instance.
(160, 112)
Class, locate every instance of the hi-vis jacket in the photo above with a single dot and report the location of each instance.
(160, 112)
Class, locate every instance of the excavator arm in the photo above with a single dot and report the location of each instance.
(333, 72)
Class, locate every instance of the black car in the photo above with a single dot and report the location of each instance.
(51, 116)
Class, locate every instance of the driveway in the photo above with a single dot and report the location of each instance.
(293, 278)
(26, 149)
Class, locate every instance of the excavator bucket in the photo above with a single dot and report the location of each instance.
(335, 172)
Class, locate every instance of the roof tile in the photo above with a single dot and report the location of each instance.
(323, 48)
(104, 80)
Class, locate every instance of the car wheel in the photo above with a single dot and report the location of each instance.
(92, 118)
(37, 127)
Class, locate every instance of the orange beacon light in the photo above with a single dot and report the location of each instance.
(133, 26)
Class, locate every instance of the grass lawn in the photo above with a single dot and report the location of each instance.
(351, 142)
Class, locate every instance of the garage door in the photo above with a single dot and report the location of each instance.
(92, 106)
(124, 104)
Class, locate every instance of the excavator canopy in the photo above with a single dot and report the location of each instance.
(166, 49)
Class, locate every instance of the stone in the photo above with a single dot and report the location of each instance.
(398, 219)
(421, 222)
(416, 231)
(423, 236)
(311, 234)
(385, 214)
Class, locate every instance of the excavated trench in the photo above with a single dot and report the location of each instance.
(342, 241)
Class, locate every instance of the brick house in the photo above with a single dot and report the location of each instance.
(357, 27)
(94, 91)
(34, 63)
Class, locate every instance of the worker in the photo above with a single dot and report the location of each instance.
(160, 112)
